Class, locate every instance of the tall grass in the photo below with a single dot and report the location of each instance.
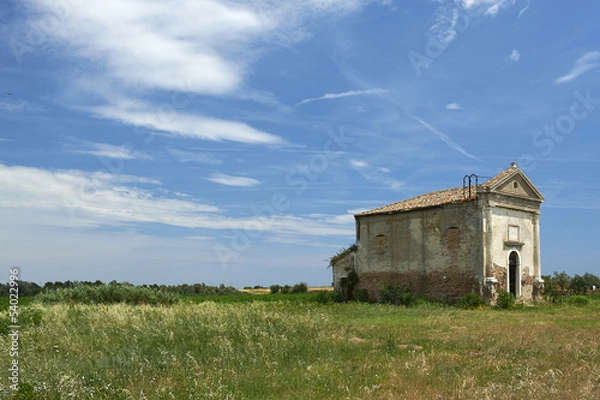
(285, 350)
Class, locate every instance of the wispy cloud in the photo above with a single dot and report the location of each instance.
(490, 8)
(358, 163)
(204, 47)
(15, 106)
(447, 23)
(76, 199)
(380, 175)
(452, 17)
(160, 45)
(588, 61)
(330, 96)
(111, 151)
(92, 199)
(230, 180)
(443, 137)
(181, 46)
(524, 9)
(184, 124)
(515, 55)
(453, 106)
(193, 157)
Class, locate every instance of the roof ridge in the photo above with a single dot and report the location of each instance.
(440, 197)
(425, 200)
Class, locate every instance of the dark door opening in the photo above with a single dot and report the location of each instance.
(513, 259)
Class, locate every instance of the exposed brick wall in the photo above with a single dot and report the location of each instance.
(449, 284)
(500, 274)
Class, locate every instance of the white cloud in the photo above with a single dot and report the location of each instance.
(490, 8)
(451, 18)
(193, 47)
(183, 124)
(588, 61)
(230, 180)
(378, 175)
(168, 45)
(515, 55)
(200, 238)
(194, 157)
(445, 29)
(77, 199)
(358, 164)
(453, 106)
(329, 96)
(111, 151)
(396, 185)
(203, 46)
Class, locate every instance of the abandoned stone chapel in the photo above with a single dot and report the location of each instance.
(478, 238)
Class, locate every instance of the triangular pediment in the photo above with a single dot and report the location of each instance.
(513, 182)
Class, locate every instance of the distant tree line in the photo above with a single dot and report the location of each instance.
(301, 287)
(562, 284)
(32, 289)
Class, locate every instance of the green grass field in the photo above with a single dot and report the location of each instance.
(293, 348)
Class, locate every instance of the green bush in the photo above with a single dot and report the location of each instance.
(300, 288)
(286, 289)
(505, 300)
(108, 294)
(471, 301)
(577, 300)
(552, 296)
(30, 316)
(5, 322)
(275, 289)
(325, 297)
(361, 295)
(394, 295)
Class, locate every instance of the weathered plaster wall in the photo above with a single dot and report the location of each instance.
(435, 251)
(341, 269)
(522, 216)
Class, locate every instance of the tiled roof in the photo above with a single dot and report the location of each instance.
(433, 199)
(501, 176)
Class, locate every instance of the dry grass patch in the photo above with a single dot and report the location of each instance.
(281, 350)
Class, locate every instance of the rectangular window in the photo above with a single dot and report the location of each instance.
(513, 233)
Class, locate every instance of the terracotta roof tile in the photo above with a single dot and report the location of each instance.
(433, 199)
(501, 176)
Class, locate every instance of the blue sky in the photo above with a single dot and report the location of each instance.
(223, 141)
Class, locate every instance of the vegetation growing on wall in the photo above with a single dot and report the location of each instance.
(342, 253)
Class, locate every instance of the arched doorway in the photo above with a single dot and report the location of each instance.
(513, 274)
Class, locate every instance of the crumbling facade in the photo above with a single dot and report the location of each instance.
(472, 239)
